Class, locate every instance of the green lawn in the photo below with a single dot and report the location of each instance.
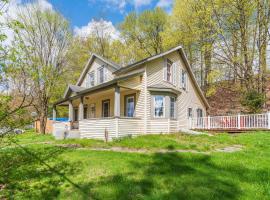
(47, 171)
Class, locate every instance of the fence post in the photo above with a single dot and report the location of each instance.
(238, 121)
(268, 120)
(208, 122)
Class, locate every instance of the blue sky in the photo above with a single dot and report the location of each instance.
(81, 12)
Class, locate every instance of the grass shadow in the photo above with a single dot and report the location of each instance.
(35, 172)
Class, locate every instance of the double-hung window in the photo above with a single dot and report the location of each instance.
(129, 105)
(199, 113)
(106, 108)
(101, 74)
(172, 107)
(184, 80)
(169, 70)
(159, 106)
(92, 79)
(189, 113)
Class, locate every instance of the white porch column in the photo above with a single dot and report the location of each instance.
(54, 113)
(81, 110)
(117, 101)
(70, 111)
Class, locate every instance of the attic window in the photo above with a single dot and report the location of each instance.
(92, 79)
(102, 74)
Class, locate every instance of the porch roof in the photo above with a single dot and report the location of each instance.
(80, 91)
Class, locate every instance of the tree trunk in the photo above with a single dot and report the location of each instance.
(208, 65)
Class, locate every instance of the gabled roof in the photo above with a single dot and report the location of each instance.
(114, 66)
(139, 63)
(122, 71)
(183, 56)
(73, 88)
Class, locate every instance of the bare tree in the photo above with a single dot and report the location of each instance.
(42, 41)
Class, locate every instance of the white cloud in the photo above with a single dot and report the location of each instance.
(165, 3)
(121, 4)
(140, 3)
(100, 27)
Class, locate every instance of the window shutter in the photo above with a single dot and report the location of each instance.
(164, 70)
(174, 73)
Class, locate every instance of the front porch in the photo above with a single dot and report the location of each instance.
(114, 110)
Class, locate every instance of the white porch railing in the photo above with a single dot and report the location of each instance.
(251, 121)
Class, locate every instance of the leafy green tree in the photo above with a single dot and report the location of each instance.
(253, 101)
(143, 31)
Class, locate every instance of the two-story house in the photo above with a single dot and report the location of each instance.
(155, 95)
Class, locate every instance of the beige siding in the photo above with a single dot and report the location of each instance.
(130, 127)
(95, 129)
(97, 63)
(186, 99)
(144, 122)
(157, 126)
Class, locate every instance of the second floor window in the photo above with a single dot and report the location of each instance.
(92, 79)
(184, 80)
(169, 71)
(101, 75)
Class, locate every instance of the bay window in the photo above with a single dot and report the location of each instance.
(172, 107)
(159, 106)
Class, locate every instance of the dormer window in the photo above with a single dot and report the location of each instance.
(102, 74)
(92, 79)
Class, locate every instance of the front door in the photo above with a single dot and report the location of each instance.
(106, 108)
(76, 114)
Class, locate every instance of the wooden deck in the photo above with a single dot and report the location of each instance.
(230, 130)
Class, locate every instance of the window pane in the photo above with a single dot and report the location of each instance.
(106, 109)
(130, 105)
(91, 79)
(169, 70)
(85, 112)
(159, 106)
(172, 107)
(189, 112)
(101, 75)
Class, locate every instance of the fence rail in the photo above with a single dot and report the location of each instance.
(252, 121)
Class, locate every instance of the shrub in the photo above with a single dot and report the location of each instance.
(253, 101)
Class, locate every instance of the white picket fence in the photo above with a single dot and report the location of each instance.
(251, 121)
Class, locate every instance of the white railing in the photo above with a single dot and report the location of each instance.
(246, 121)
